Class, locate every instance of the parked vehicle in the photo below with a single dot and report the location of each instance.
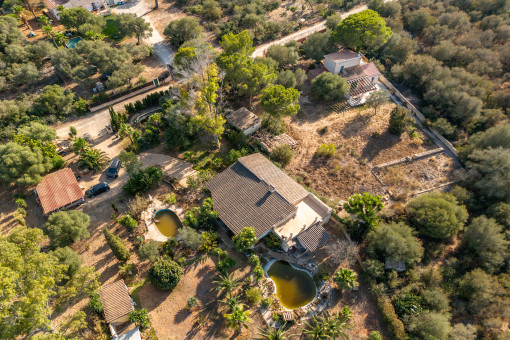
(97, 189)
(113, 169)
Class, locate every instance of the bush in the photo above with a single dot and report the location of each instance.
(258, 272)
(395, 326)
(192, 302)
(127, 270)
(409, 304)
(328, 86)
(117, 246)
(149, 251)
(282, 154)
(190, 237)
(70, 258)
(201, 217)
(445, 128)
(182, 30)
(375, 335)
(224, 265)
(140, 317)
(430, 326)
(435, 299)
(254, 260)
(253, 296)
(165, 274)
(267, 303)
(245, 239)
(142, 180)
(169, 247)
(66, 227)
(128, 222)
(169, 198)
(95, 303)
(326, 150)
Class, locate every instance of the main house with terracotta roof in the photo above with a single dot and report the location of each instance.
(59, 190)
(361, 76)
(254, 192)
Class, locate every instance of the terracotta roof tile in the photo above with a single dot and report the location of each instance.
(313, 237)
(116, 301)
(58, 189)
(243, 118)
(344, 54)
(361, 71)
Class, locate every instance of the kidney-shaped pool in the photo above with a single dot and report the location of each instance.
(167, 222)
(294, 287)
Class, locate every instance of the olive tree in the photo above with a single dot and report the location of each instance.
(165, 274)
(328, 86)
(66, 227)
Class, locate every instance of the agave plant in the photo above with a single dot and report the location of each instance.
(273, 334)
(92, 159)
(238, 318)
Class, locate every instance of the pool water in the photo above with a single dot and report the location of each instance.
(72, 43)
(167, 222)
(294, 288)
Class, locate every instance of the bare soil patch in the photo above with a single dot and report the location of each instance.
(362, 142)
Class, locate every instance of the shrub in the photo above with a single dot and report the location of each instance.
(258, 272)
(117, 246)
(253, 296)
(430, 326)
(224, 265)
(95, 303)
(326, 150)
(192, 302)
(209, 241)
(254, 260)
(272, 241)
(128, 222)
(375, 335)
(267, 303)
(395, 326)
(149, 251)
(201, 217)
(165, 274)
(435, 299)
(245, 239)
(127, 270)
(409, 304)
(445, 128)
(169, 198)
(190, 237)
(346, 278)
(137, 205)
(140, 317)
(66, 227)
(282, 154)
(169, 247)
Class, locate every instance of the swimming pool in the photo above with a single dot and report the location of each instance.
(72, 43)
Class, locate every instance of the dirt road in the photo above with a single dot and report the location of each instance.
(261, 50)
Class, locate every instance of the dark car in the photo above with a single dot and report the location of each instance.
(97, 189)
(113, 169)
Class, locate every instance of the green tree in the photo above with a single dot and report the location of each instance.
(437, 215)
(328, 326)
(378, 98)
(73, 18)
(22, 165)
(127, 221)
(484, 243)
(142, 180)
(130, 161)
(365, 207)
(245, 239)
(182, 30)
(283, 55)
(279, 101)
(400, 120)
(125, 73)
(234, 66)
(481, 293)
(80, 144)
(434, 326)
(256, 76)
(92, 159)
(319, 44)
(140, 317)
(165, 274)
(226, 284)
(38, 131)
(463, 332)
(237, 43)
(117, 246)
(69, 258)
(333, 20)
(282, 154)
(328, 86)
(238, 318)
(201, 217)
(54, 100)
(149, 251)
(66, 227)
(9, 32)
(396, 242)
(345, 279)
(362, 31)
(129, 24)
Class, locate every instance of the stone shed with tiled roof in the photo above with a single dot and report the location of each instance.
(244, 120)
(254, 192)
(116, 302)
(59, 190)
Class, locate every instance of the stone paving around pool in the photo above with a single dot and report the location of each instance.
(148, 218)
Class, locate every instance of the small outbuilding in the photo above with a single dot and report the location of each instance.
(244, 120)
(117, 304)
(59, 190)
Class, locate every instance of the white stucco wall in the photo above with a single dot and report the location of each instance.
(335, 66)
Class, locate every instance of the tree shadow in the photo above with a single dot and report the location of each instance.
(377, 144)
(355, 126)
(181, 315)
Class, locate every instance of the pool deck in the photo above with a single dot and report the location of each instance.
(153, 232)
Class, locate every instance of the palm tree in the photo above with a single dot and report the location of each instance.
(93, 159)
(80, 144)
(238, 318)
(44, 20)
(48, 30)
(273, 334)
(126, 130)
(329, 326)
(231, 302)
(346, 278)
(316, 330)
(226, 283)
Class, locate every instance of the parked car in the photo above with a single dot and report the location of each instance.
(97, 189)
(113, 169)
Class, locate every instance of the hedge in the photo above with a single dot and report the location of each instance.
(395, 326)
(117, 246)
(149, 101)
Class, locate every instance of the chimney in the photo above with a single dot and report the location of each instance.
(271, 188)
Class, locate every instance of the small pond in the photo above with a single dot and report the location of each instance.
(294, 287)
(167, 222)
